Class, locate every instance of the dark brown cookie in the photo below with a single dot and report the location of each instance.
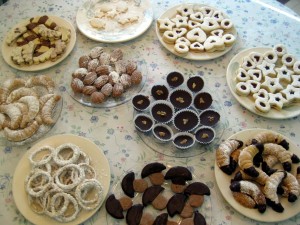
(127, 184)
(113, 207)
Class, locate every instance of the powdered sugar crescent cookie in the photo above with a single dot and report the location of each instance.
(169, 36)
(33, 105)
(242, 75)
(269, 137)
(197, 47)
(22, 134)
(291, 188)
(181, 48)
(262, 105)
(196, 34)
(165, 24)
(242, 88)
(14, 114)
(209, 24)
(180, 21)
(228, 39)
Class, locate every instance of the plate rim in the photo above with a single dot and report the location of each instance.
(24, 163)
(49, 63)
(127, 38)
(267, 216)
(169, 47)
(272, 114)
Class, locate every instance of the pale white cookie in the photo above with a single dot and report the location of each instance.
(183, 40)
(122, 7)
(248, 63)
(291, 93)
(209, 24)
(272, 85)
(226, 24)
(214, 43)
(185, 10)
(262, 105)
(256, 57)
(196, 34)
(165, 24)
(180, 32)
(284, 74)
(16, 55)
(169, 36)
(242, 75)
(180, 21)
(280, 50)
(254, 86)
(270, 56)
(197, 47)
(242, 88)
(198, 17)
(193, 24)
(218, 15)
(262, 93)
(206, 11)
(255, 74)
(277, 101)
(97, 23)
(267, 69)
(296, 80)
(27, 52)
(228, 39)
(288, 60)
(296, 67)
(217, 32)
(181, 48)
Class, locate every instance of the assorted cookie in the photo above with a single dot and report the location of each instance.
(170, 193)
(261, 167)
(196, 28)
(38, 40)
(179, 112)
(103, 74)
(269, 79)
(27, 107)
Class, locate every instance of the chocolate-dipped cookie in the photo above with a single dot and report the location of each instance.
(113, 207)
(127, 184)
(197, 188)
(152, 168)
(161, 219)
(134, 214)
(175, 204)
(151, 193)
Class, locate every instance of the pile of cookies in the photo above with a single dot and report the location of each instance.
(37, 41)
(262, 168)
(27, 106)
(271, 79)
(102, 74)
(197, 28)
(172, 191)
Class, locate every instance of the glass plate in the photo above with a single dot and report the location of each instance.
(129, 53)
(170, 13)
(87, 11)
(223, 182)
(7, 50)
(205, 209)
(98, 161)
(285, 113)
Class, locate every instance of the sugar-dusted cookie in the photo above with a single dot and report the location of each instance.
(226, 24)
(193, 24)
(169, 36)
(262, 93)
(217, 32)
(183, 40)
(242, 88)
(262, 105)
(255, 74)
(280, 50)
(13, 34)
(209, 24)
(206, 11)
(197, 16)
(291, 93)
(165, 24)
(218, 15)
(180, 32)
(185, 10)
(181, 48)
(270, 56)
(228, 39)
(196, 34)
(256, 57)
(254, 86)
(277, 101)
(214, 43)
(272, 85)
(267, 69)
(180, 21)
(296, 67)
(284, 74)
(288, 60)
(242, 75)
(248, 63)
(197, 47)
(296, 80)
(97, 23)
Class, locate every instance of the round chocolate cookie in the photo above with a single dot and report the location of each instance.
(140, 102)
(175, 79)
(181, 99)
(162, 111)
(143, 122)
(160, 92)
(205, 135)
(186, 120)
(183, 140)
(203, 100)
(195, 83)
(162, 132)
(209, 117)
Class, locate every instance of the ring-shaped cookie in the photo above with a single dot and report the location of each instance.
(45, 159)
(42, 188)
(89, 171)
(183, 40)
(242, 75)
(63, 207)
(296, 67)
(169, 36)
(270, 56)
(59, 160)
(288, 60)
(181, 48)
(280, 50)
(228, 39)
(242, 88)
(262, 105)
(76, 210)
(226, 24)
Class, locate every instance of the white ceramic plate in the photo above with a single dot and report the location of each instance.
(128, 54)
(223, 182)
(87, 11)
(205, 209)
(98, 161)
(6, 50)
(170, 13)
(247, 102)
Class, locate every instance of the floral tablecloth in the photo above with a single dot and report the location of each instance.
(259, 23)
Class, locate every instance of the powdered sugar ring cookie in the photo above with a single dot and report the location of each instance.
(270, 56)
(228, 39)
(242, 88)
(226, 24)
(169, 36)
(280, 50)
(288, 60)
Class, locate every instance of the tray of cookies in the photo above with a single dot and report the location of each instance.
(114, 21)
(257, 172)
(38, 43)
(266, 81)
(196, 31)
